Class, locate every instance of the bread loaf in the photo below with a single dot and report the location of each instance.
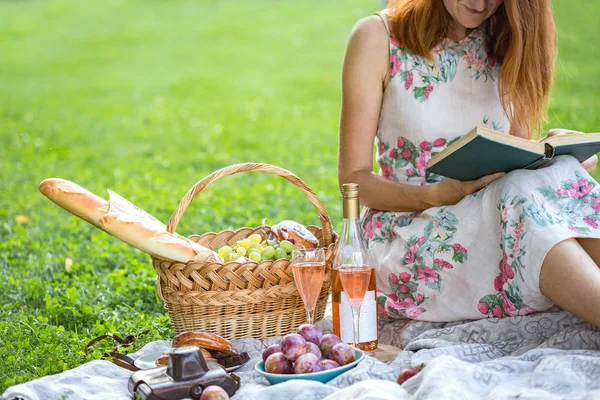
(214, 344)
(146, 234)
(75, 199)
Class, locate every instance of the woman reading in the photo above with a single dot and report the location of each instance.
(415, 78)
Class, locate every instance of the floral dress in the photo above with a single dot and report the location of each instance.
(481, 257)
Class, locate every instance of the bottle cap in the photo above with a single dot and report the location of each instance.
(350, 190)
(350, 202)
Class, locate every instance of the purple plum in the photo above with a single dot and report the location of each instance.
(214, 393)
(327, 342)
(342, 354)
(293, 346)
(274, 348)
(328, 364)
(314, 349)
(277, 364)
(307, 363)
(310, 333)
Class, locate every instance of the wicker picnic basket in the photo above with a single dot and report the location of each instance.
(236, 300)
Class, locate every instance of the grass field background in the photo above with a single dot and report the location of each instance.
(146, 98)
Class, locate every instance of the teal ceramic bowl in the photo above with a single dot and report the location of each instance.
(322, 376)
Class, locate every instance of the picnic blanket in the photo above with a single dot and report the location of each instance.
(549, 355)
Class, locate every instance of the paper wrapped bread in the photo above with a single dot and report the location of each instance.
(125, 221)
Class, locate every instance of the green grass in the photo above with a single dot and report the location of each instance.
(148, 97)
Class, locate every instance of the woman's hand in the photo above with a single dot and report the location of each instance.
(559, 131)
(451, 191)
(590, 164)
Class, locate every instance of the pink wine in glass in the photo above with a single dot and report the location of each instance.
(309, 281)
(355, 281)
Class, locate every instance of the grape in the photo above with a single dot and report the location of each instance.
(307, 363)
(276, 363)
(292, 346)
(233, 256)
(268, 252)
(274, 348)
(328, 364)
(224, 251)
(327, 342)
(255, 238)
(267, 249)
(214, 393)
(313, 349)
(310, 333)
(280, 253)
(342, 354)
(287, 246)
(254, 256)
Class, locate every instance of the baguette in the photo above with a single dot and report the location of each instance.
(75, 199)
(146, 234)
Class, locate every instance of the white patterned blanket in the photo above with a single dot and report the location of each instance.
(550, 355)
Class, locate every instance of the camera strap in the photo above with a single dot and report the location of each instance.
(114, 354)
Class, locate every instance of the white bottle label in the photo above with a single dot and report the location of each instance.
(368, 319)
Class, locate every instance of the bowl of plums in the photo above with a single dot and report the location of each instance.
(307, 354)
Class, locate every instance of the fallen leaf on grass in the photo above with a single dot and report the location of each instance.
(21, 219)
(68, 264)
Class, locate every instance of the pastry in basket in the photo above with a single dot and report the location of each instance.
(214, 344)
(164, 359)
(211, 345)
(296, 233)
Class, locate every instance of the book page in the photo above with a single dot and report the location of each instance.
(526, 144)
(572, 138)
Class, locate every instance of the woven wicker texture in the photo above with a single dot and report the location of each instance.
(236, 300)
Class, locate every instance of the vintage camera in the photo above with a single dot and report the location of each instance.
(185, 376)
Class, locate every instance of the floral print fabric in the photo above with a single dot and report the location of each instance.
(574, 205)
(469, 53)
(482, 257)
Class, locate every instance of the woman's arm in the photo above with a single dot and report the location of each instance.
(364, 76)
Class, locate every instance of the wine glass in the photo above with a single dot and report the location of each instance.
(309, 269)
(355, 279)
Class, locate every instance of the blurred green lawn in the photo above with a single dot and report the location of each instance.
(146, 98)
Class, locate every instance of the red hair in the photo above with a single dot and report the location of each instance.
(521, 37)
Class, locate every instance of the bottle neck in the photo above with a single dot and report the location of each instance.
(352, 230)
(351, 208)
(352, 245)
(352, 225)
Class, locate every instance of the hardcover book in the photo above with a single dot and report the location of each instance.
(484, 151)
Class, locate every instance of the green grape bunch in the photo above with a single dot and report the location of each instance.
(256, 248)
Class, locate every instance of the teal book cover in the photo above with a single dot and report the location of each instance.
(483, 151)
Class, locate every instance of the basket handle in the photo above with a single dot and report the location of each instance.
(246, 167)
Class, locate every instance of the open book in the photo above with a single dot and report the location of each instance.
(483, 151)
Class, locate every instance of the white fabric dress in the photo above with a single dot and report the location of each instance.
(482, 257)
